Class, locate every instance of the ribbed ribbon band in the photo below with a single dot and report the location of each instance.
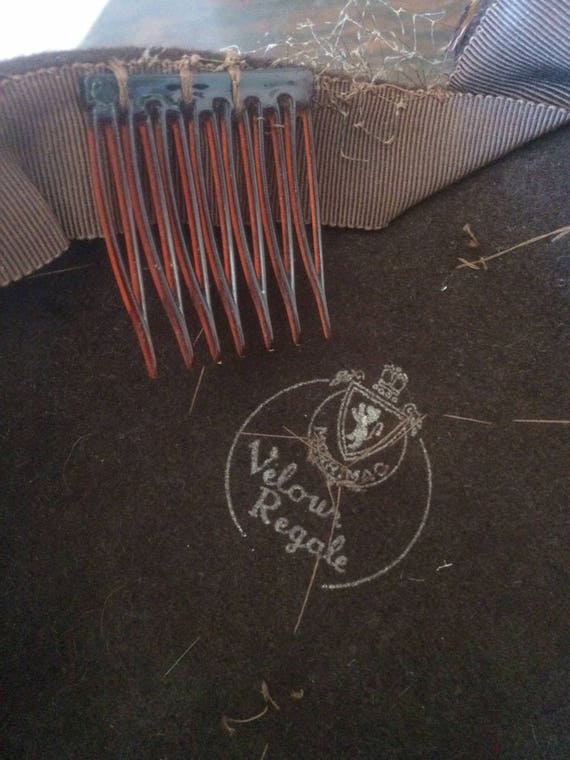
(391, 149)
(30, 234)
(519, 48)
(379, 148)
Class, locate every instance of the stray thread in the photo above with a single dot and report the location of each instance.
(472, 242)
(545, 422)
(196, 389)
(186, 80)
(184, 653)
(317, 561)
(231, 731)
(482, 262)
(121, 73)
(468, 419)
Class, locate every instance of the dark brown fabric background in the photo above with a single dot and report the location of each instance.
(118, 548)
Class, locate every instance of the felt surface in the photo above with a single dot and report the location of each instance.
(120, 550)
(421, 28)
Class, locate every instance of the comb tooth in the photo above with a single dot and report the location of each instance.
(132, 298)
(309, 148)
(200, 302)
(158, 275)
(188, 184)
(280, 164)
(222, 280)
(153, 170)
(196, 277)
(169, 288)
(149, 166)
(254, 160)
(209, 125)
(313, 262)
(111, 134)
(254, 271)
(253, 200)
(165, 220)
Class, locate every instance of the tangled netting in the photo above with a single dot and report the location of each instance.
(373, 40)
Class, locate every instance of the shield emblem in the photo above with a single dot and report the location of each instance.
(368, 423)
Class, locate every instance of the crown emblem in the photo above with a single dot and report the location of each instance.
(392, 382)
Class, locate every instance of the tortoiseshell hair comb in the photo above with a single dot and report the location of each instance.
(200, 167)
(173, 157)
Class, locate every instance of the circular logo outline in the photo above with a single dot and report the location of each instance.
(243, 533)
